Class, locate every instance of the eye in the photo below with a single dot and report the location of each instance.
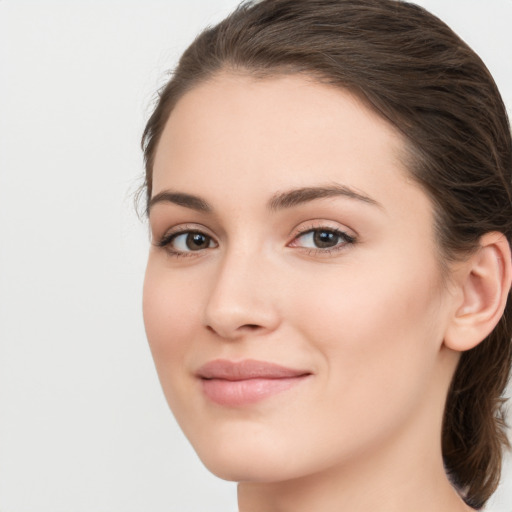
(186, 242)
(322, 239)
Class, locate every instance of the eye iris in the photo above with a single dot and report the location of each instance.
(325, 239)
(196, 241)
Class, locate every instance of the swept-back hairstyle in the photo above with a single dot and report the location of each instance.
(419, 75)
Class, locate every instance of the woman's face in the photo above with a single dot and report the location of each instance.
(293, 299)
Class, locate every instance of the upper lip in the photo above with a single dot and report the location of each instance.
(247, 369)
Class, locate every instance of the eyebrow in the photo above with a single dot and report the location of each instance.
(280, 201)
(299, 196)
(181, 199)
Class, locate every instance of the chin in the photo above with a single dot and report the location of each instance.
(263, 459)
(248, 461)
(248, 470)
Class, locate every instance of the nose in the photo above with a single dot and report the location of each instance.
(242, 299)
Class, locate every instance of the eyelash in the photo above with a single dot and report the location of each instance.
(346, 239)
(166, 241)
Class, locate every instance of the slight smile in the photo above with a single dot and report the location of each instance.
(234, 384)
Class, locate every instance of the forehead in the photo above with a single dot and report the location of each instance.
(251, 136)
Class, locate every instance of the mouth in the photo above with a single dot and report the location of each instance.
(235, 384)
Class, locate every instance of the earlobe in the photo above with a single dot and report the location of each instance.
(484, 286)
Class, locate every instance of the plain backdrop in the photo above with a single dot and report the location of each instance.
(83, 423)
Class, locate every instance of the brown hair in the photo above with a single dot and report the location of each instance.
(420, 76)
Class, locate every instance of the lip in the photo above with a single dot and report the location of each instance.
(238, 383)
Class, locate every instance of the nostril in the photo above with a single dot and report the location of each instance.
(248, 327)
(251, 327)
(240, 329)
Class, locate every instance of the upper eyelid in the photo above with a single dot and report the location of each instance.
(185, 228)
(328, 225)
(339, 232)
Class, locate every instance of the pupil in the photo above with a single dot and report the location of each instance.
(197, 241)
(325, 239)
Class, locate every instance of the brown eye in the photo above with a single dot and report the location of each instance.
(197, 241)
(321, 238)
(187, 242)
(325, 239)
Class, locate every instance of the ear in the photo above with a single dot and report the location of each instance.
(483, 284)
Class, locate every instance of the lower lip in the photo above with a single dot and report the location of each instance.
(236, 393)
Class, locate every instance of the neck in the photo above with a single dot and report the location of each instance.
(354, 490)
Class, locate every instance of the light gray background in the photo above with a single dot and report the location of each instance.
(83, 423)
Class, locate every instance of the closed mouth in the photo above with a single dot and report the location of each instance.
(238, 383)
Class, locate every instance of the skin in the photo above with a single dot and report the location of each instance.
(366, 318)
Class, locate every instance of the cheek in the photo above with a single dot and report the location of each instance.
(378, 331)
(170, 319)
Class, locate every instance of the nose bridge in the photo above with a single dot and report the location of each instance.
(241, 296)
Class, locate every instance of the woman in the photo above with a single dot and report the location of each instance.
(329, 191)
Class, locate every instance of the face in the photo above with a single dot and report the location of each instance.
(293, 299)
